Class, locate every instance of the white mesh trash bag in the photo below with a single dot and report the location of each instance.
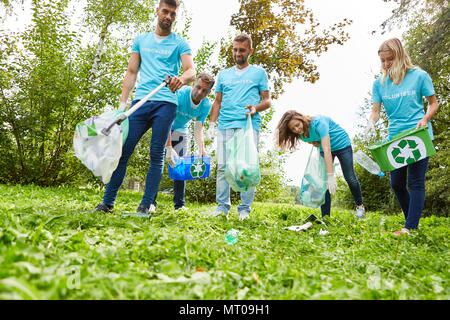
(99, 153)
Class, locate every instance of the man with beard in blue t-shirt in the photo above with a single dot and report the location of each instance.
(154, 55)
(241, 91)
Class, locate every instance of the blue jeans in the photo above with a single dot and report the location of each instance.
(411, 202)
(179, 144)
(159, 116)
(222, 186)
(345, 157)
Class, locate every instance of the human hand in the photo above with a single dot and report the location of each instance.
(175, 84)
(203, 153)
(370, 128)
(122, 106)
(171, 156)
(331, 183)
(422, 123)
(252, 110)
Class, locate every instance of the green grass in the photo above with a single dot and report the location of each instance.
(51, 247)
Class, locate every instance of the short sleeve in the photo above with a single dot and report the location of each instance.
(204, 111)
(322, 127)
(427, 86)
(136, 44)
(219, 85)
(376, 96)
(264, 82)
(184, 47)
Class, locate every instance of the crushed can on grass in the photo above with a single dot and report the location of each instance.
(190, 167)
(404, 148)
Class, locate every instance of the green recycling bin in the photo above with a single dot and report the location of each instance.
(404, 148)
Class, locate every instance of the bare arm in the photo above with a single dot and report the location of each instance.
(187, 76)
(130, 76)
(169, 140)
(327, 154)
(431, 111)
(265, 103)
(215, 109)
(375, 115)
(198, 137)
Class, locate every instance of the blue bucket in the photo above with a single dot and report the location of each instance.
(190, 168)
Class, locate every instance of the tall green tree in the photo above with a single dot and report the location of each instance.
(53, 77)
(286, 38)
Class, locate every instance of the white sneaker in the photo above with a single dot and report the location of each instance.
(183, 208)
(360, 212)
(152, 209)
(244, 215)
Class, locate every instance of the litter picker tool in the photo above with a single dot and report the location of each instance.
(125, 115)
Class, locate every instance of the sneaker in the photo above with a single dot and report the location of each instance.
(145, 210)
(360, 212)
(183, 208)
(244, 215)
(142, 209)
(402, 231)
(103, 208)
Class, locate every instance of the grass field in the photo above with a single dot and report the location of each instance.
(51, 247)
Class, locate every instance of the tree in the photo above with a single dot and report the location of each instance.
(286, 38)
(427, 42)
(52, 79)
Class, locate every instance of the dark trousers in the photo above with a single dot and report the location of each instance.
(412, 201)
(345, 157)
(159, 116)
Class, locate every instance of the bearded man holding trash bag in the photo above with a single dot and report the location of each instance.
(154, 55)
(193, 104)
(241, 90)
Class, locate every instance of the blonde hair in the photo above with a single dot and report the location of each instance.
(402, 61)
(285, 139)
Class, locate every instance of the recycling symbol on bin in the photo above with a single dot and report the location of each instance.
(406, 151)
(198, 168)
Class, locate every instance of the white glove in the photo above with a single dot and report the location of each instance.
(122, 105)
(171, 156)
(331, 183)
(211, 132)
(370, 127)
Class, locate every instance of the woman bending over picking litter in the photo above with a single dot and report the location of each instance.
(401, 89)
(333, 141)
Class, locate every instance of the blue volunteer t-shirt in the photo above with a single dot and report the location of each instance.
(238, 91)
(187, 111)
(321, 126)
(403, 103)
(157, 60)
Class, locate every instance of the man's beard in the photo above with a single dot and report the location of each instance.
(164, 26)
(241, 61)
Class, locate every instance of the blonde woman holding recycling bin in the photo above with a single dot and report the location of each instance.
(400, 89)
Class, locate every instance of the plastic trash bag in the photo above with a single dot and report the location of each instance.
(242, 165)
(100, 153)
(314, 181)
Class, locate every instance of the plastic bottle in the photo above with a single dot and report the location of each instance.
(232, 236)
(367, 163)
